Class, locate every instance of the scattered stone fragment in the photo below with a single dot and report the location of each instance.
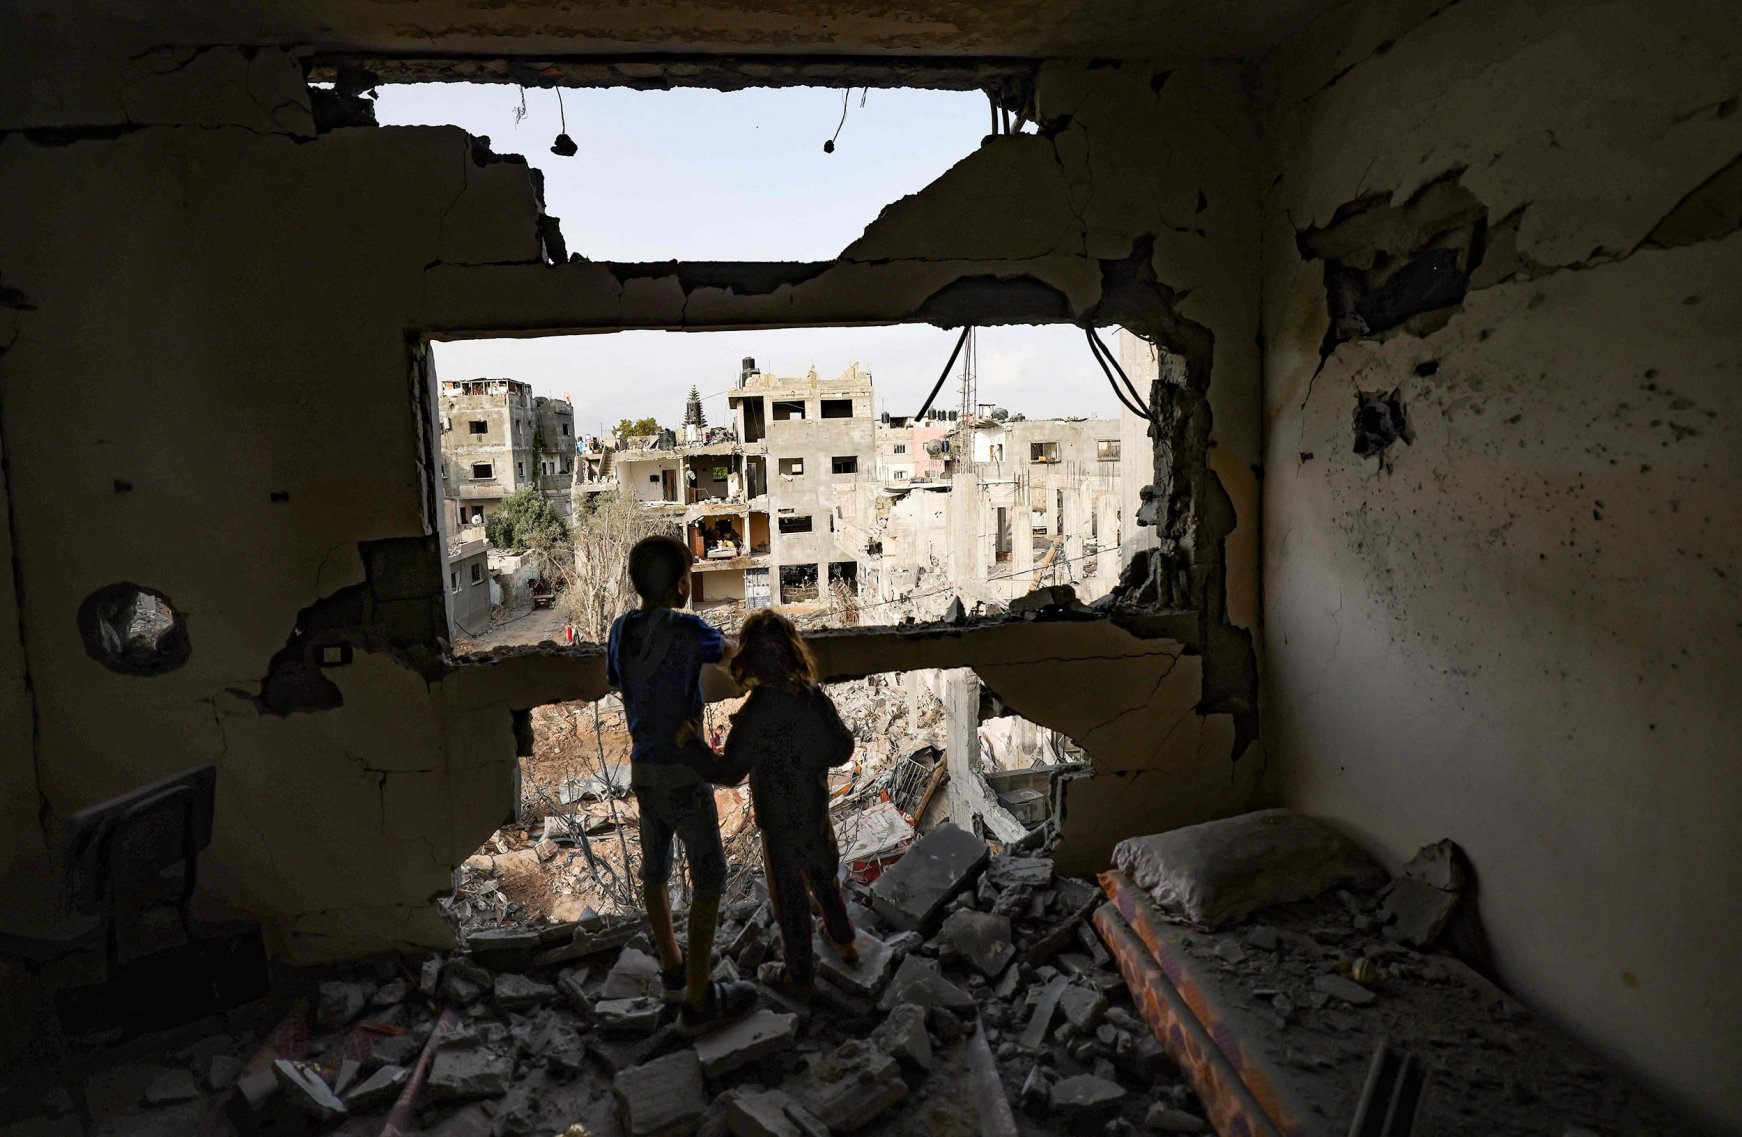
(338, 1002)
(503, 940)
(1339, 987)
(1230, 951)
(391, 994)
(903, 1036)
(1006, 985)
(256, 1089)
(520, 993)
(347, 1073)
(171, 1086)
(1263, 938)
(749, 1040)
(557, 1044)
(1086, 1099)
(1166, 1119)
(467, 1070)
(948, 1028)
(1019, 872)
(399, 1050)
(765, 1114)
(918, 980)
(634, 974)
(865, 975)
(220, 1071)
(377, 1090)
(304, 1087)
(572, 985)
(662, 1098)
(628, 1016)
(430, 976)
(911, 894)
(1038, 1023)
(463, 982)
(851, 1087)
(1082, 1006)
(983, 940)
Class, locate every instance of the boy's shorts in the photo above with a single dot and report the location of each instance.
(674, 800)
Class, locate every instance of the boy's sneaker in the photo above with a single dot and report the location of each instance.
(726, 1004)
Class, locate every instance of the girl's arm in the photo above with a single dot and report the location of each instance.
(838, 740)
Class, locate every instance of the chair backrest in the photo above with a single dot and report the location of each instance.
(128, 842)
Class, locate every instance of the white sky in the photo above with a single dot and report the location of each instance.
(708, 175)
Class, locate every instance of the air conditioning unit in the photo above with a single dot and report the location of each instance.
(447, 423)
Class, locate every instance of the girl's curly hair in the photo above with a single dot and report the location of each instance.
(771, 653)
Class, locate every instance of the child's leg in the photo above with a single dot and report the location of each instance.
(656, 834)
(704, 920)
(792, 912)
(697, 822)
(822, 872)
(657, 898)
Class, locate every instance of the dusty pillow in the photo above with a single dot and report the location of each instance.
(1221, 871)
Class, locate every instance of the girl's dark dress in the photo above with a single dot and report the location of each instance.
(788, 738)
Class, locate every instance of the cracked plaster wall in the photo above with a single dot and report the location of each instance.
(226, 302)
(1525, 635)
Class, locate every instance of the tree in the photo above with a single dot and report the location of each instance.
(603, 536)
(692, 411)
(630, 427)
(525, 521)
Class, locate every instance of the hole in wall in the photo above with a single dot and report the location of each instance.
(133, 630)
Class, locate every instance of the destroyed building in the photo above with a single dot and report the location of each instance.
(497, 437)
(1438, 491)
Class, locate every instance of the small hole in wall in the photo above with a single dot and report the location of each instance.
(133, 630)
(1430, 367)
(123, 487)
(280, 495)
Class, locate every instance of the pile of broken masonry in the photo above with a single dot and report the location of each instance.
(561, 1030)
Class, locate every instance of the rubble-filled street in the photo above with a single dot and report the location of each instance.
(972, 967)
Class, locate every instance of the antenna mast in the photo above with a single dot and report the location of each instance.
(964, 440)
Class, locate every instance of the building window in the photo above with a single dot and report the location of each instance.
(844, 465)
(997, 452)
(483, 471)
(796, 525)
(477, 574)
(1043, 452)
(901, 475)
(1107, 450)
(520, 469)
(792, 467)
(453, 582)
(837, 408)
(654, 478)
(898, 448)
(565, 430)
(478, 426)
(845, 573)
(477, 515)
(798, 583)
(787, 411)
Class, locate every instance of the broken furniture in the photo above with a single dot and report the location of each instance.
(115, 857)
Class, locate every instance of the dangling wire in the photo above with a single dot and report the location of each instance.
(560, 114)
(1104, 355)
(829, 146)
(946, 373)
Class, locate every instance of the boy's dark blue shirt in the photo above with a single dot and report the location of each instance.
(655, 658)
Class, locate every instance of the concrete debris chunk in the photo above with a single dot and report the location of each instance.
(770, 1114)
(1230, 951)
(377, 1090)
(219, 1071)
(850, 1088)
(489, 941)
(347, 1073)
(628, 1016)
(463, 982)
(391, 994)
(572, 985)
(338, 1002)
(469, 1070)
(866, 975)
(1419, 904)
(1086, 1099)
(308, 1091)
(1052, 596)
(1082, 1006)
(1019, 872)
(1263, 938)
(171, 1086)
(1044, 1007)
(911, 894)
(903, 1037)
(662, 1098)
(1166, 1119)
(918, 980)
(256, 1089)
(749, 1040)
(633, 975)
(430, 976)
(520, 993)
(1339, 987)
(983, 940)
(399, 1050)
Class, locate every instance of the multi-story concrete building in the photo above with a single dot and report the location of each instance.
(498, 438)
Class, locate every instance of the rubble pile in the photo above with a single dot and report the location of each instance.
(563, 1030)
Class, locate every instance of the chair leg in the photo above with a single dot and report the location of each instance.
(71, 1073)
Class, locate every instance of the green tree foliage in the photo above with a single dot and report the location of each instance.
(633, 426)
(525, 521)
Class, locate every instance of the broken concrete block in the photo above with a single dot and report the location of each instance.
(1082, 1006)
(1045, 1004)
(171, 1086)
(628, 1016)
(851, 1087)
(308, 1091)
(347, 1073)
(338, 1002)
(1086, 1099)
(1263, 938)
(463, 982)
(377, 1090)
(467, 1070)
(1019, 872)
(520, 993)
(503, 940)
(1140, 1056)
(983, 940)
(1339, 987)
(948, 1028)
(865, 975)
(662, 1098)
(1166, 1119)
(256, 1089)
(219, 1071)
(1052, 596)
(633, 975)
(399, 1050)
(911, 894)
(765, 1114)
(391, 994)
(903, 1037)
(572, 985)
(918, 980)
(748, 1040)
(1230, 951)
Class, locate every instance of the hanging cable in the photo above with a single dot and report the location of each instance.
(829, 145)
(946, 373)
(1104, 355)
(564, 146)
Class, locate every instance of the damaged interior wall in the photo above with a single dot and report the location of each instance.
(242, 297)
(1502, 606)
